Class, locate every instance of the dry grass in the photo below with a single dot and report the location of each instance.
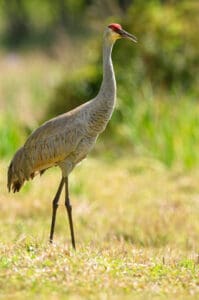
(136, 226)
(136, 222)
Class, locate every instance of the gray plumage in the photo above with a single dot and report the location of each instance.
(67, 139)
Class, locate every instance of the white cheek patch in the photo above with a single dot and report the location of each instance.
(114, 36)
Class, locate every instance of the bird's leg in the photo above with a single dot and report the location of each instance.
(54, 211)
(69, 211)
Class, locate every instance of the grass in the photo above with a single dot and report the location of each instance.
(136, 226)
(12, 135)
(159, 125)
(136, 220)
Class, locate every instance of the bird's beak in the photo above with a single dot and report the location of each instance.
(125, 34)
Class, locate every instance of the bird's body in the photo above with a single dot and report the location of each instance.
(67, 139)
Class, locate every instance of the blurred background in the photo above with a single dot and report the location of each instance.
(50, 62)
(136, 198)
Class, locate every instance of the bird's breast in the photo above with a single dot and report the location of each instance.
(99, 118)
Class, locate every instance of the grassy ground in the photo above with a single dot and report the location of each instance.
(136, 222)
(136, 227)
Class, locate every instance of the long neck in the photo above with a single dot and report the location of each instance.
(107, 91)
(103, 105)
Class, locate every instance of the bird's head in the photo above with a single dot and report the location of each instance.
(115, 31)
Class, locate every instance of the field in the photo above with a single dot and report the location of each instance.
(136, 226)
(135, 212)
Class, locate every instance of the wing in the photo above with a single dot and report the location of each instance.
(53, 141)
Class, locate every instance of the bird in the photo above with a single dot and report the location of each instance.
(66, 140)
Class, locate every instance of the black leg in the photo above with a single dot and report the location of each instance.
(55, 206)
(69, 211)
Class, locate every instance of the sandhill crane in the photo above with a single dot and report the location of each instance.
(67, 139)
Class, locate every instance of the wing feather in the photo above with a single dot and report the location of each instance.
(53, 141)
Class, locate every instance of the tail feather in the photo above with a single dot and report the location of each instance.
(13, 185)
(17, 171)
(20, 170)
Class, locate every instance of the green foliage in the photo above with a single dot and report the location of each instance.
(167, 129)
(37, 22)
(167, 51)
(12, 135)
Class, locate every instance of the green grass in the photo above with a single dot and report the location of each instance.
(12, 135)
(159, 125)
(136, 226)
